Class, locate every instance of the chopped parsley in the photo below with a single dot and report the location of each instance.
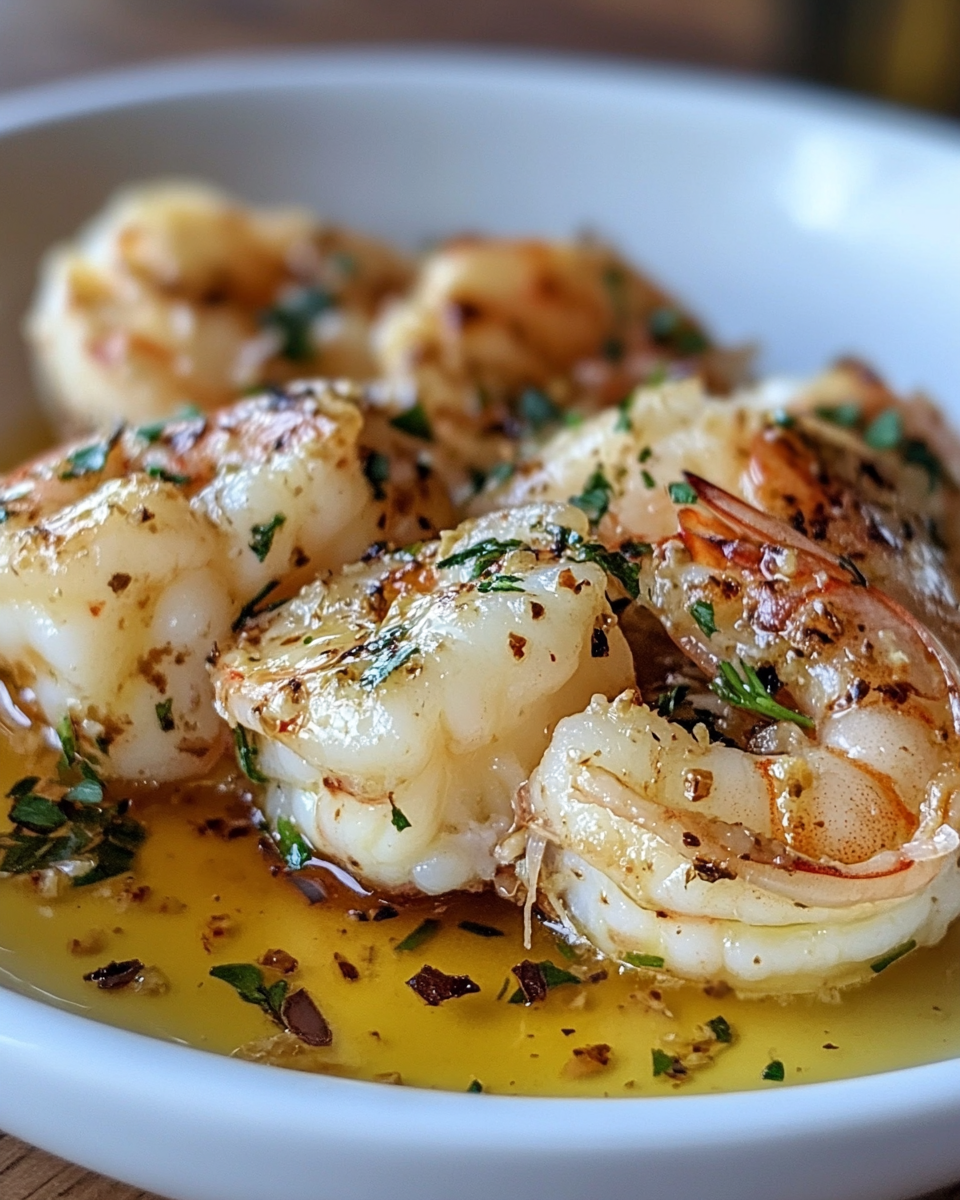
(682, 493)
(480, 930)
(293, 846)
(500, 583)
(616, 563)
(415, 422)
(248, 982)
(154, 432)
(68, 742)
(623, 423)
(721, 1029)
(594, 500)
(645, 455)
(77, 828)
(262, 540)
(376, 468)
(156, 472)
(475, 1086)
(482, 554)
(918, 454)
(250, 609)
(4, 514)
(654, 961)
(702, 613)
(885, 432)
(389, 653)
(293, 318)
(398, 819)
(847, 416)
(888, 959)
(648, 480)
(750, 694)
(667, 702)
(164, 711)
(773, 1071)
(423, 933)
(536, 979)
(90, 460)
(247, 756)
(676, 332)
(663, 1063)
(536, 409)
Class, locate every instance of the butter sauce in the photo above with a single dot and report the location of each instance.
(214, 900)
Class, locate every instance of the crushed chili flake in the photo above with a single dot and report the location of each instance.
(347, 969)
(588, 1060)
(434, 987)
(302, 1017)
(532, 982)
(279, 960)
(115, 974)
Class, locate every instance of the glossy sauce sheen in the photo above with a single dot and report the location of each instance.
(381, 1028)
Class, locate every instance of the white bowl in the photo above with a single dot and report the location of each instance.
(813, 224)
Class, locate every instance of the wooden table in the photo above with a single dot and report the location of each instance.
(45, 39)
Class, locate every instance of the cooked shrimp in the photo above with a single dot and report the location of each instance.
(177, 294)
(498, 338)
(854, 474)
(395, 708)
(784, 854)
(124, 560)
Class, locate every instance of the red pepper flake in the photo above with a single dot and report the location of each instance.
(115, 974)
(302, 1017)
(434, 987)
(347, 969)
(517, 645)
(279, 960)
(532, 982)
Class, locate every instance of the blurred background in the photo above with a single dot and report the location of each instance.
(903, 50)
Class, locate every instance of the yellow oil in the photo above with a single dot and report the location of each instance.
(909, 1015)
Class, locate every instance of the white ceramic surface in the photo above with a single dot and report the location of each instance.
(812, 224)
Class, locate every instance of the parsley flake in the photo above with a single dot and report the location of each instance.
(293, 317)
(702, 613)
(376, 468)
(536, 409)
(654, 961)
(398, 819)
(773, 1071)
(500, 583)
(415, 422)
(594, 500)
(885, 432)
(423, 933)
(889, 959)
(482, 554)
(721, 1029)
(156, 472)
(667, 702)
(164, 712)
(847, 416)
(90, 460)
(293, 847)
(262, 540)
(250, 609)
(750, 694)
(682, 493)
(663, 1063)
(247, 756)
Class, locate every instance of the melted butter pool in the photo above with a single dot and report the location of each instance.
(200, 882)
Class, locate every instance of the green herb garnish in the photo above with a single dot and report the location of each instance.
(415, 422)
(263, 535)
(750, 694)
(654, 961)
(885, 432)
(537, 409)
(648, 480)
(663, 1063)
(87, 791)
(164, 712)
(480, 930)
(594, 500)
(667, 702)
(250, 609)
(167, 476)
(154, 432)
(500, 583)
(390, 654)
(552, 975)
(398, 819)
(773, 1071)
(482, 554)
(671, 329)
(423, 933)
(293, 318)
(376, 468)
(888, 959)
(90, 460)
(918, 454)
(293, 847)
(475, 1086)
(682, 493)
(847, 416)
(702, 613)
(248, 982)
(623, 423)
(721, 1029)
(247, 756)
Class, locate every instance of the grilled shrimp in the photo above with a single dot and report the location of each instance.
(856, 474)
(395, 708)
(177, 294)
(124, 560)
(497, 338)
(794, 828)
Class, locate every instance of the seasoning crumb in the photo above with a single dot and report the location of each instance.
(434, 987)
(279, 960)
(588, 1060)
(91, 942)
(302, 1018)
(115, 975)
(219, 925)
(347, 969)
(151, 981)
(393, 1077)
(567, 1032)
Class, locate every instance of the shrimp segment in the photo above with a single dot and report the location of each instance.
(832, 823)
(124, 561)
(176, 294)
(396, 708)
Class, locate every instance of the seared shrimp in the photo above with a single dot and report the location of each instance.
(395, 708)
(791, 831)
(177, 294)
(124, 560)
(855, 474)
(498, 338)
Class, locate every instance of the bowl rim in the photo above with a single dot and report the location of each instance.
(195, 1079)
